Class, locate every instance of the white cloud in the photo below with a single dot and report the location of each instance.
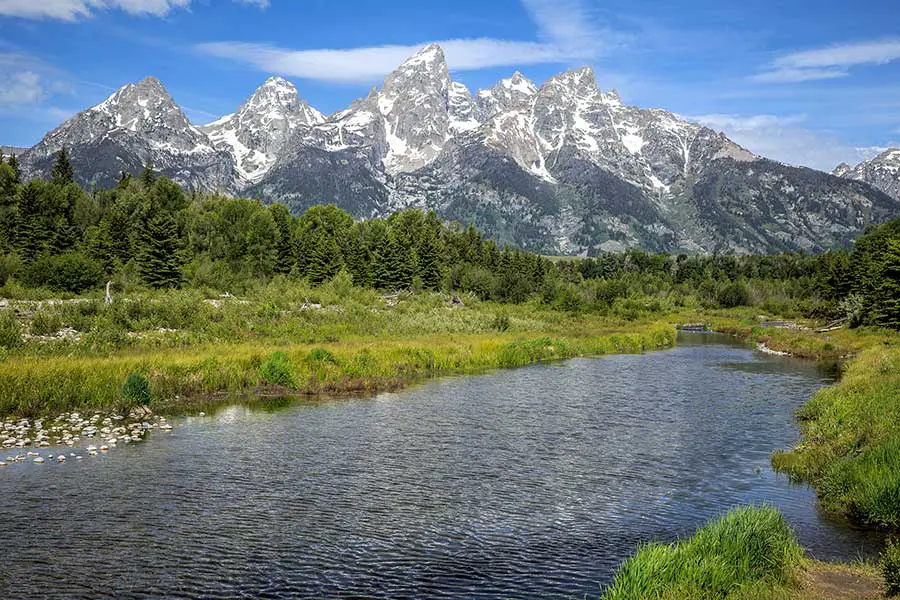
(563, 27)
(829, 62)
(20, 88)
(798, 75)
(783, 138)
(73, 10)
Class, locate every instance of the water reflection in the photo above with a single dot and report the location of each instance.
(534, 482)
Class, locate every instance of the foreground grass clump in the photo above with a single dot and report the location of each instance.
(745, 554)
(851, 446)
(890, 569)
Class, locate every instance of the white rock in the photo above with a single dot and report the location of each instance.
(39, 460)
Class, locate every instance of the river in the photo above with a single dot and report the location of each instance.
(532, 482)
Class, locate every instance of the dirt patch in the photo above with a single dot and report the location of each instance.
(838, 582)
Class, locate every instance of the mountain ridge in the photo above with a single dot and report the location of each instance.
(558, 168)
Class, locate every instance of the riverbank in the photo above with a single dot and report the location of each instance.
(850, 451)
(749, 554)
(188, 349)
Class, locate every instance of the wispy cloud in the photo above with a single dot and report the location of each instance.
(564, 29)
(829, 62)
(784, 138)
(73, 10)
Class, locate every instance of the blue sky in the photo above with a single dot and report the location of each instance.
(804, 81)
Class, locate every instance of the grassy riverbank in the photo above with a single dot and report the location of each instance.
(284, 339)
(749, 554)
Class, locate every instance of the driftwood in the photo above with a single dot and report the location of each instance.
(834, 326)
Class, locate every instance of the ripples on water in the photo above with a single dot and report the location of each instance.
(534, 482)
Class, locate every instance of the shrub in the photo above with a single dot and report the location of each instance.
(890, 568)
(500, 322)
(278, 370)
(45, 322)
(10, 330)
(136, 390)
(68, 272)
(733, 295)
(321, 355)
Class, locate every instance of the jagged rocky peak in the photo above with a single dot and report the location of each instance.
(510, 94)
(261, 128)
(883, 172)
(146, 107)
(414, 105)
(842, 169)
(462, 109)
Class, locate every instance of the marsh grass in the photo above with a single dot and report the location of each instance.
(749, 553)
(302, 340)
(851, 447)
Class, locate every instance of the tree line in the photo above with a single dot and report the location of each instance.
(148, 231)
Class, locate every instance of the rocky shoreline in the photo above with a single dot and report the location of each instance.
(75, 435)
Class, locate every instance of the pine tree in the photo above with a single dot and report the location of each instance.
(886, 293)
(284, 245)
(30, 234)
(392, 264)
(430, 268)
(324, 260)
(62, 173)
(159, 257)
(148, 176)
(356, 257)
(17, 170)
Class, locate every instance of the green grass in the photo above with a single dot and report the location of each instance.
(851, 446)
(749, 553)
(285, 338)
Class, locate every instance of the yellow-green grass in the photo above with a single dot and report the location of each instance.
(749, 553)
(34, 385)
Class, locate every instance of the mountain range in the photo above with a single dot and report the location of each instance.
(563, 168)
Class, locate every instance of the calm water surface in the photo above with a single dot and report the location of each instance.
(533, 482)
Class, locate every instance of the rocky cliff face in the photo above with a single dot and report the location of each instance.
(883, 172)
(560, 168)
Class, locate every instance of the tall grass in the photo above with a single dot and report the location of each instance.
(745, 553)
(851, 446)
(361, 353)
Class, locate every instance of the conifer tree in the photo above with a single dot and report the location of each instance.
(148, 176)
(30, 234)
(324, 260)
(356, 257)
(62, 172)
(430, 268)
(159, 257)
(17, 170)
(393, 265)
(284, 263)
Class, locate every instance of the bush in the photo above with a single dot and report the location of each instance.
(733, 295)
(69, 272)
(890, 568)
(500, 322)
(321, 355)
(10, 330)
(278, 370)
(136, 391)
(45, 322)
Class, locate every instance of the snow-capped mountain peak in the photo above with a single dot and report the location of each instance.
(883, 172)
(256, 134)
